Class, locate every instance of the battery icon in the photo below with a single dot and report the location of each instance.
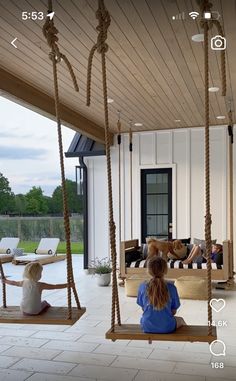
(207, 15)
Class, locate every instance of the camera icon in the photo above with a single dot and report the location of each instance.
(218, 43)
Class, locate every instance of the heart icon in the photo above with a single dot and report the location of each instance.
(217, 304)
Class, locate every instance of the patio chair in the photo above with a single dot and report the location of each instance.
(45, 253)
(7, 246)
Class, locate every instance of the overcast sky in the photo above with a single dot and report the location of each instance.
(29, 150)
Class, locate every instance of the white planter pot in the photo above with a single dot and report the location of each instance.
(103, 279)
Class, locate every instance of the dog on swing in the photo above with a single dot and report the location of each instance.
(166, 249)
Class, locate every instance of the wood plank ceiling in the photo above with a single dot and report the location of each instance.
(155, 71)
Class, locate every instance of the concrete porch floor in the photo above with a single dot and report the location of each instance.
(80, 352)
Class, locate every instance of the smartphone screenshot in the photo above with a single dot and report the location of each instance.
(117, 199)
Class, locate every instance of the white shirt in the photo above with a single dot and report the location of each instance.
(31, 299)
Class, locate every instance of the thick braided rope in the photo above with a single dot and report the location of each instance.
(4, 299)
(70, 276)
(119, 174)
(131, 180)
(89, 74)
(115, 298)
(67, 229)
(104, 22)
(207, 178)
(101, 46)
(50, 32)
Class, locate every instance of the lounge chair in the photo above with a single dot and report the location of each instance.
(45, 253)
(7, 246)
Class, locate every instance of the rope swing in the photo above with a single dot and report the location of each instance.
(205, 5)
(207, 178)
(54, 315)
(50, 33)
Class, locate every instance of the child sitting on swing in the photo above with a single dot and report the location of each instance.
(159, 300)
(31, 303)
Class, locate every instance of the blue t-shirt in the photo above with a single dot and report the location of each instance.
(158, 321)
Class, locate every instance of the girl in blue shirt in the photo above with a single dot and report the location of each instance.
(159, 300)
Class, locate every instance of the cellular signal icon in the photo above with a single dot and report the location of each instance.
(194, 15)
(180, 16)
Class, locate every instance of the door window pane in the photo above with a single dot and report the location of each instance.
(157, 225)
(157, 204)
(157, 183)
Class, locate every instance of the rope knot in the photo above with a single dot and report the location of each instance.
(101, 46)
(50, 33)
(104, 22)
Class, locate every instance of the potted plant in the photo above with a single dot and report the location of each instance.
(102, 270)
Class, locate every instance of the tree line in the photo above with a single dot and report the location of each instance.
(35, 202)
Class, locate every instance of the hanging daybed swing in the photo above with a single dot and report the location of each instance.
(54, 315)
(192, 333)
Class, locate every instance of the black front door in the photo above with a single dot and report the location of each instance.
(156, 203)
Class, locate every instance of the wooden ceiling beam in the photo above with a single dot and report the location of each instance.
(31, 97)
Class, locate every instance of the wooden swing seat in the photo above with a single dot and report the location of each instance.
(192, 333)
(54, 315)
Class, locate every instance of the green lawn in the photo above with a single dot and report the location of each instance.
(30, 246)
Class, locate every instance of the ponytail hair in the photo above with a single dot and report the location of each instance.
(157, 290)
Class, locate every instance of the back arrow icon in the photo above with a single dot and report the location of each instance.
(13, 42)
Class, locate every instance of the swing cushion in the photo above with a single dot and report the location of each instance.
(192, 287)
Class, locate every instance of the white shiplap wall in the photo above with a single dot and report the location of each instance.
(183, 151)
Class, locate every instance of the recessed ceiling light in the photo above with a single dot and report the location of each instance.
(220, 117)
(138, 124)
(177, 120)
(213, 89)
(198, 37)
(110, 100)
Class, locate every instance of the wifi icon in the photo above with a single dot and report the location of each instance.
(193, 15)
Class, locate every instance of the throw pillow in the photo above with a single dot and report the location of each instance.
(144, 250)
(202, 243)
(132, 255)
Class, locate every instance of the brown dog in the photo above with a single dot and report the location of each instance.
(168, 249)
(179, 250)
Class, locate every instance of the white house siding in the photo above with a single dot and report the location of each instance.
(98, 242)
(183, 151)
